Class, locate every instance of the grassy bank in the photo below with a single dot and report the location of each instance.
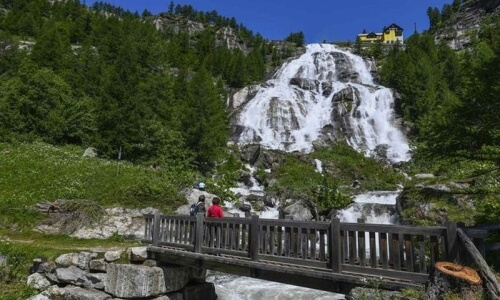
(34, 173)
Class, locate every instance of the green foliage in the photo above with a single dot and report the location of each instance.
(296, 177)
(329, 197)
(349, 165)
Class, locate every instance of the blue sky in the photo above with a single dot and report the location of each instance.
(331, 20)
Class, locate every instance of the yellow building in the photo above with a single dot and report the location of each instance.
(391, 34)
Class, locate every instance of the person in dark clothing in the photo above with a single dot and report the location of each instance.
(201, 204)
(215, 211)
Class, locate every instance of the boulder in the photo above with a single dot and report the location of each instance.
(134, 281)
(38, 281)
(113, 255)
(250, 153)
(73, 275)
(83, 259)
(298, 211)
(77, 293)
(97, 280)
(138, 254)
(90, 152)
(98, 265)
(66, 260)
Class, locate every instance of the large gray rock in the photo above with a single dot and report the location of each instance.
(73, 275)
(134, 281)
(38, 281)
(97, 280)
(138, 254)
(298, 211)
(90, 152)
(84, 259)
(113, 255)
(98, 265)
(77, 293)
(66, 260)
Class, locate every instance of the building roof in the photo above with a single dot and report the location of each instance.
(393, 26)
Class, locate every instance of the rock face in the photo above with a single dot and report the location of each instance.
(461, 29)
(324, 95)
(118, 281)
(226, 37)
(124, 222)
(177, 24)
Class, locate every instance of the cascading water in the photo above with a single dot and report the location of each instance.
(324, 92)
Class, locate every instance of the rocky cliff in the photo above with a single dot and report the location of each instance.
(459, 31)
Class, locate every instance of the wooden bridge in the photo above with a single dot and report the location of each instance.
(331, 256)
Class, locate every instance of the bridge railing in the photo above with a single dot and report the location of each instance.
(403, 252)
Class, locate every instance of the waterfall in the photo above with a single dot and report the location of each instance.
(326, 92)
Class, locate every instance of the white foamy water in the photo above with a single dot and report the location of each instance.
(375, 207)
(230, 287)
(290, 117)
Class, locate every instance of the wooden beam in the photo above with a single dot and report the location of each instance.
(335, 256)
(198, 235)
(156, 228)
(254, 239)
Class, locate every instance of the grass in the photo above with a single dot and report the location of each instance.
(38, 172)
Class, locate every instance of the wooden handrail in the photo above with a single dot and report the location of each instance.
(351, 247)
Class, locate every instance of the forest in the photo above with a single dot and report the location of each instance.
(105, 77)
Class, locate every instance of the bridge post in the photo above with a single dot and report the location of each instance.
(253, 248)
(335, 250)
(451, 241)
(198, 234)
(156, 228)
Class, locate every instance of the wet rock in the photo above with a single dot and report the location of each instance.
(250, 153)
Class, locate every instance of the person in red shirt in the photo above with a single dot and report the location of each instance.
(215, 211)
